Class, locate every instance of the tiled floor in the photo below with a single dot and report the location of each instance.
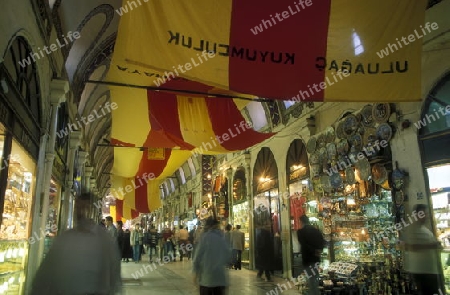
(175, 278)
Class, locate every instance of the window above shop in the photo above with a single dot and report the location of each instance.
(436, 114)
(257, 115)
(192, 167)
(182, 177)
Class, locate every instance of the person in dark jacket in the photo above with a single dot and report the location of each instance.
(264, 251)
(312, 243)
(120, 235)
(127, 251)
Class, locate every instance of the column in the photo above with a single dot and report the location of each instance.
(74, 142)
(251, 230)
(58, 90)
(87, 179)
(93, 194)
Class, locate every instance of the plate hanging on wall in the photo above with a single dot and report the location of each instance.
(311, 145)
(381, 112)
(384, 132)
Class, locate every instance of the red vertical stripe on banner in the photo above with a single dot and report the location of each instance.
(165, 123)
(229, 124)
(140, 195)
(134, 214)
(119, 209)
(278, 59)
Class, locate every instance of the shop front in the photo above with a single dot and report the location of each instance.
(300, 197)
(19, 151)
(266, 212)
(360, 194)
(434, 138)
(240, 210)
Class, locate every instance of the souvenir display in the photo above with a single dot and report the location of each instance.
(350, 125)
(311, 145)
(340, 130)
(384, 132)
(366, 116)
(381, 112)
(379, 173)
(330, 135)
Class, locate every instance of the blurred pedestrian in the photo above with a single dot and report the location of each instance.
(238, 244)
(127, 251)
(136, 241)
(312, 243)
(264, 250)
(210, 260)
(83, 260)
(120, 235)
(422, 253)
(227, 236)
(183, 239)
(191, 241)
(110, 228)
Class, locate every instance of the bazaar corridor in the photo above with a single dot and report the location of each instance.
(175, 278)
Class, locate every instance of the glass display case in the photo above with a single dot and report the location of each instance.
(16, 221)
(241, 217)
(440, 195)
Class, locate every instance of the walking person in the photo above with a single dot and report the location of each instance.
(264, 251)
(136, 241)
(237, 244)
(210, 260)
(191, 241)
(227, 236)
(120, 235)
(167, 237)
(127, 250)
(82, 260)
(183, 238)
(422, 254)
(312, 243)
(110, 228)
(153, 238)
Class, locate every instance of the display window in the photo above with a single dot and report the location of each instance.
(440, 194)
(53, 210)
(16, 217)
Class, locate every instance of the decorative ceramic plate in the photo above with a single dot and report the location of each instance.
(384, 132)
(366, 116)
(326, 183)
(321, 141)
(326, 202)
(315, 170)
(340, 130)
(381, 112)
(379, 173)
(330, 134)
(350, 175)
(323, 154)
(399, 198)
(314, 158)
(370, 136)
(311, 145)
(343, 147)
(350, 125)
(331, 151)
(363, 167)
(356, 141)
(336, 180)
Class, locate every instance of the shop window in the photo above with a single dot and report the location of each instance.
(436, 114)
(192, 167)
(22, 70)
(182, 177)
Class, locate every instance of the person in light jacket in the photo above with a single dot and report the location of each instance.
(136, 242)
(83, 260)
(237, 244)
(210, 260)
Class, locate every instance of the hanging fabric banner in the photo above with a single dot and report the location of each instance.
(310, 50)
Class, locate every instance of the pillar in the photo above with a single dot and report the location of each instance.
(58, 90)
(251, 228)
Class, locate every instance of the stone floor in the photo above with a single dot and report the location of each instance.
(176, 278)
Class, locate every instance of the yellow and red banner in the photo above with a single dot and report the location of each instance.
(280, 49)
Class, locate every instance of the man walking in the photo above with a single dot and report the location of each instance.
(136, 241)
(312, 243)
(183, 237)
(110, 228)
(237, 243)
(422, 254)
